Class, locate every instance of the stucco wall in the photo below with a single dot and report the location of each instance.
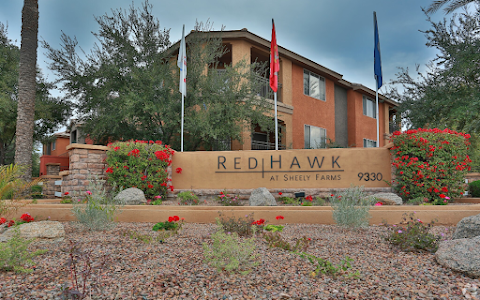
(309, 110)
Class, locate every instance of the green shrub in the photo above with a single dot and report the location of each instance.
(319, 201)
(241, 226)
(474, 188)
(187, 198)
(413, 235)
(14, 254)
(36, 192)
(351, 207)
(288, 201)
(430, 163)
(417, 201)
(326, 267)
(13, 188)
(230, 253)
(140, 164)
(96, 211)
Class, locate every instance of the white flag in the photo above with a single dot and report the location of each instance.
(182, 64)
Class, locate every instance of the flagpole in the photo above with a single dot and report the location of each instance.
(276, 122)
(181, 136)
(377, 112)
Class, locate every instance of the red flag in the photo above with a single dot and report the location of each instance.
(274, 62)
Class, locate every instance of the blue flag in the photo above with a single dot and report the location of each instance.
(376, 54)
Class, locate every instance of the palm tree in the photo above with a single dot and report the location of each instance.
(27, 87)
(453, 5)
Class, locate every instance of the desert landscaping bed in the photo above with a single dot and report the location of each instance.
(175, 269)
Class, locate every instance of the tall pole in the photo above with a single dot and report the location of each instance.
(276, 122)
(181, 136)
(377, 114)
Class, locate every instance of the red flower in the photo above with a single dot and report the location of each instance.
(280, 193)
(109, 170)
(171, 219)
(179, 170)
(445, 189)
(309, 239)
(66, 193)
(26, 218)
(176, 218)
(3, 221)
(259, 222)
(116, 148)
(279, 217)
(442, 196)
(150, 186)
(11, 223)
(183, 219)
(436, 190)
(171, 188)
(309, 198)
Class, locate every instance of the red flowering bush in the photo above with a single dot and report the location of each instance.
(27, 218)
(3, 221)
(140, 164)
(430, 163)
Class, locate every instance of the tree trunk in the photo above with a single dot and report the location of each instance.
(26, 87)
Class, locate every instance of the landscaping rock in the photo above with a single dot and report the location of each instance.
(460, 255)
(261, 197)
(388, 198)
(131, 196)
(44, 230)
(468, 227)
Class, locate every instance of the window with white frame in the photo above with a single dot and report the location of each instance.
(369, 143)
(315, 137)
(54, 144)
(313, 85)
(369, 107)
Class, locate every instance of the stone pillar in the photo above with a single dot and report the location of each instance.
(85, 160)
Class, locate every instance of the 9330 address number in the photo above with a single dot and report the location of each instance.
(370, 176)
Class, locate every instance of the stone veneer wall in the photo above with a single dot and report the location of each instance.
(49, 187)
(85, 160)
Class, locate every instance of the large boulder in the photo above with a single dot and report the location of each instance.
(388, 198)
(261, 197)
(468, 227)
(131, 196)
(43, 230)
(461, 255)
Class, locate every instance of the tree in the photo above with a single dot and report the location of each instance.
(27, 87)
(454, 4)
(133, 68)
(448, 95)
(50, 113)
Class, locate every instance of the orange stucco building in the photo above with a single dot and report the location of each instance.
(316, 106)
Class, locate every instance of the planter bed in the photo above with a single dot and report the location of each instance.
(175, 269)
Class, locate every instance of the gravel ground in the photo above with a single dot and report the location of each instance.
(175, 269)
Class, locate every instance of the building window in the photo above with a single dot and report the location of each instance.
(369, 107)
(369, 143)
(313, 85)
(315, 137)
(54, 143)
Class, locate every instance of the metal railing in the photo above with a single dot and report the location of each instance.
(264, 89)
(259, 145)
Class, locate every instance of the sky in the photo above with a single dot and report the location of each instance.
(337, 34)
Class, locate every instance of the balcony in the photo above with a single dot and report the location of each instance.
(259, 145)
(264, 89)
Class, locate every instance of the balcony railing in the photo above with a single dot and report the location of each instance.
(259, 145)
(264, 89)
